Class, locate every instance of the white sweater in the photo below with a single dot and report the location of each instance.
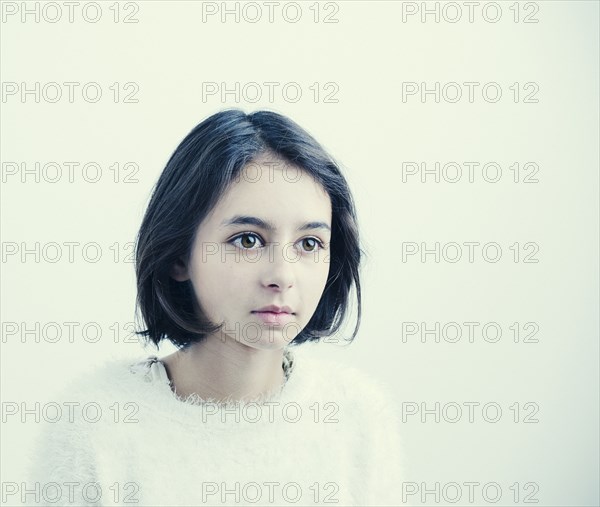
(329, 436)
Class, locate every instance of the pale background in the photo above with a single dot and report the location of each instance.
(368, 54)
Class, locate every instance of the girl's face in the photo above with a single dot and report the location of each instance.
(265, 243)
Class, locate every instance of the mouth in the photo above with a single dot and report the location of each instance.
(274, 309)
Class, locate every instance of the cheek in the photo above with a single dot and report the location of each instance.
(219, 283)
(315, 278)
(208, 281)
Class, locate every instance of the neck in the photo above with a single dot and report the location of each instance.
(222, 368)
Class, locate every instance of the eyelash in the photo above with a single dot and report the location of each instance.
(239, 236)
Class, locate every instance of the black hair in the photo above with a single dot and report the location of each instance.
(198, 173)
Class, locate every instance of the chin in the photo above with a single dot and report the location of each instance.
(269, 343)
(270, 339)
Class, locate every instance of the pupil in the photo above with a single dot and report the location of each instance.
(251, 242)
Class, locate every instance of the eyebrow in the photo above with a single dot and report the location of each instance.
(268, 226)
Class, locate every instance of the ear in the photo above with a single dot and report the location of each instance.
(179, 271)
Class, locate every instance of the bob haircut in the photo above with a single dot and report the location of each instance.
(200, 170)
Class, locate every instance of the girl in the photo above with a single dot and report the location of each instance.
(246, 255)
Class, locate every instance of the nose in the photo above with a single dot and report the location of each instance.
(279, 268)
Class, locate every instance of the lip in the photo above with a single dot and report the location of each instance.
(274, 315)
(274, 309)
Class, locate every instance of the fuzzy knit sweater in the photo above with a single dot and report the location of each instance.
(328, 436)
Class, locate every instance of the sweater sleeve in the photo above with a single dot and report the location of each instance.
(385, 458)
(62, 467)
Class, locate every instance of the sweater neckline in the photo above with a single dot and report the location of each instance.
(156, 373)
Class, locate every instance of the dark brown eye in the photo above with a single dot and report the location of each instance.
(310, 243)
(247, 241)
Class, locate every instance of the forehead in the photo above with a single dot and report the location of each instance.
(277, 190)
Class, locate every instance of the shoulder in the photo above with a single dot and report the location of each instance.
(338, 379)
(109, 380)
(91, 407)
